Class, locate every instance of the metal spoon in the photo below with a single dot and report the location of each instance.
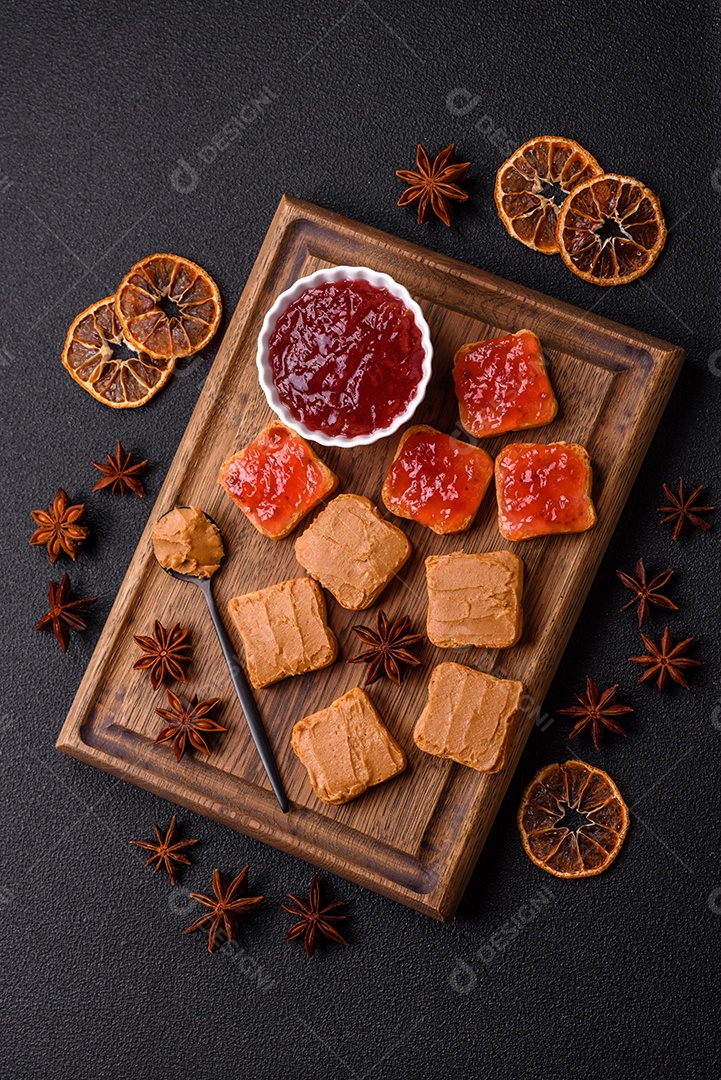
(245, 695)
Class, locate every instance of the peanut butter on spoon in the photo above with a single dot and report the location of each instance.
(187, 541)
(189, 547)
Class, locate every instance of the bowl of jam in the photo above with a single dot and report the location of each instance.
(344, 356)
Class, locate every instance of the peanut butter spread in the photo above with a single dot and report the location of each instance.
(347, 748)
(284, 630)
(352, 550)
(469, 718)
(186, 540)
(475, 599)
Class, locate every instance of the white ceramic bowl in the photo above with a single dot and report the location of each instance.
(265, 374)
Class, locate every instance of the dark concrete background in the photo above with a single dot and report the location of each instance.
(616, 976)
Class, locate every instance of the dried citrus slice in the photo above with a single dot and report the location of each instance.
(611, 230)
(168, 306)
(89, 356)
(532, 184)
(587, 791)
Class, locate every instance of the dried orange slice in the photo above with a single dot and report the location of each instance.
(611, 230)
(533, 183)
(168, 306)
(89, 356)
(565, 852)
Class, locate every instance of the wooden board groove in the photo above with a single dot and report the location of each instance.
(416, 838)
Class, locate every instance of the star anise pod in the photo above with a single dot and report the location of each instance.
(684, 508)
(58, 527)
(646, 592)
(121, 473)
(665, 662)
(314, 919)
(597, 709)
(166, 852)
(165, 653)
(63, 614)
(227, 906)
(388, 650)
(434, 186)
(186, 722)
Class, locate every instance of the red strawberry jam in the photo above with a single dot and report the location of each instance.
(276, 480)
(436, 480)
(543, 489)
(502, 385)
(346, 357)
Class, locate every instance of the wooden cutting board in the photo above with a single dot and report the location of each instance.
(416, 838)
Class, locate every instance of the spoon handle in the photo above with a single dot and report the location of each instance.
(246, 699)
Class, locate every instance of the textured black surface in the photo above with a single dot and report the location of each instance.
(615, 976)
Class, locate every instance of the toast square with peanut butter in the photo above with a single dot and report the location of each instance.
(475, 599)
(352, 551)
(347, 748)
(284, 630)
(470, 717)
